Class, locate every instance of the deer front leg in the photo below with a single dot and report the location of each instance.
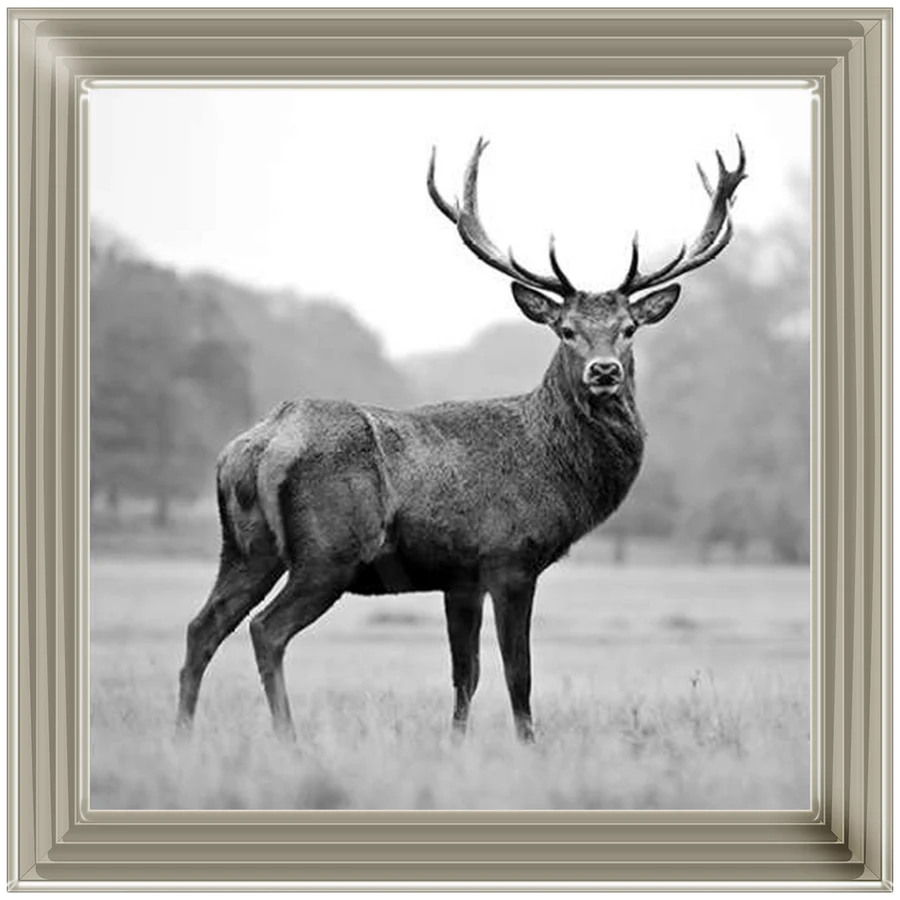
(513, 600)
(463, 607)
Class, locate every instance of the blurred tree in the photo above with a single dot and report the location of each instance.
(300, 347)
(649, 510)
(168, 383)
(729, 394)
(505, 358)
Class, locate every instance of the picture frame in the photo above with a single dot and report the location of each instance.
(843, 842)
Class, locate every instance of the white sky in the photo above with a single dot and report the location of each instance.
(323, 190)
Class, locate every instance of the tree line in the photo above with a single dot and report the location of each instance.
(181, 364)
(725, 394)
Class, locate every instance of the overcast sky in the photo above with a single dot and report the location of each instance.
(323, 190)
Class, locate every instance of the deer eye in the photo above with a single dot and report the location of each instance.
(566, 333)
(628, 330)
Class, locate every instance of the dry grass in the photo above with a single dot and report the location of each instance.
(654, 688)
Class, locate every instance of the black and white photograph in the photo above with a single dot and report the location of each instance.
(449, 446)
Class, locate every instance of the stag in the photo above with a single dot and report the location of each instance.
(465, 498)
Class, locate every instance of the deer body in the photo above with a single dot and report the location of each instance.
(434, 498)
(466, 498)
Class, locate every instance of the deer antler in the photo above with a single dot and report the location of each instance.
(468, 224)
(711, 241)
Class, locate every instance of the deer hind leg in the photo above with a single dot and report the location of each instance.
(513, 602)
(302, 600)
(463, 608)
(241, 584)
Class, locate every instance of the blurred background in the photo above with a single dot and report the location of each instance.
(252, 246)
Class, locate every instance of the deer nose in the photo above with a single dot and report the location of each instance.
(603, 372)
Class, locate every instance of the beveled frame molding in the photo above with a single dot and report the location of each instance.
(842, 842)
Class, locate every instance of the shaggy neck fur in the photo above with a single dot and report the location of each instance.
(596, 442)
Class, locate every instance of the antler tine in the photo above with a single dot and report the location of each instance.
(557, 269)
(715, 235)
(560, 285)
(723, 169)
(452, 213)
(706, 185)
(742, 158)
(634, 282)
(632, 266)
(468, 224)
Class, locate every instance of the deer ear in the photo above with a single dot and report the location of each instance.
(656, 306)
(536, 306)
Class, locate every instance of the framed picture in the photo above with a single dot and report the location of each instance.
(290, 348)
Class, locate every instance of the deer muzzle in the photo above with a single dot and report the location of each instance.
(604, 376)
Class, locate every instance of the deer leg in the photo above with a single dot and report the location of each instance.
(463, 608)
(512, 612)
(299, 604)
(240, 585)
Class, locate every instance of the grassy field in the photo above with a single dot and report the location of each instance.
(654, 688)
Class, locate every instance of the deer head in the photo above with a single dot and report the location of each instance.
(595, 329)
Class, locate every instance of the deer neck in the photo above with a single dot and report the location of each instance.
(596, 443)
